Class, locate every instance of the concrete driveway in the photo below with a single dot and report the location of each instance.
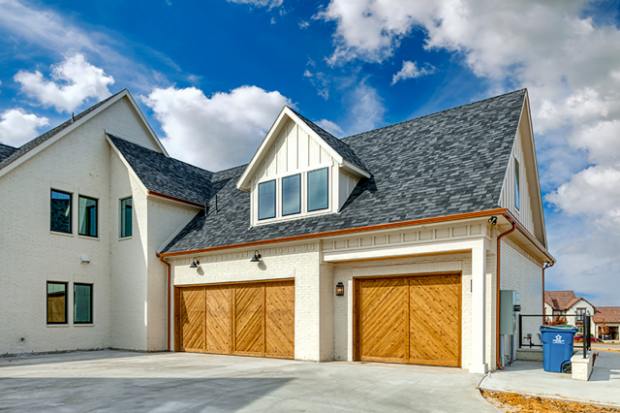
(114, 381)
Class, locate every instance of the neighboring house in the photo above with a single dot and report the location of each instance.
(382, 246)
(566, 305)
(607, 322)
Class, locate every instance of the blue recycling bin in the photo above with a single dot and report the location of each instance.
(557, 346)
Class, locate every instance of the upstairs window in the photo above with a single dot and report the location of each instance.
(88, 216)
(580, 313)
(56, 303)
(291, 195)
(126, 217)
(83, 303)
(60, 219)
(517, 185)
(267, 200)
(318, 187)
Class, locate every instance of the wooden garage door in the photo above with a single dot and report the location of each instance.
(250, 319)
(414, 320)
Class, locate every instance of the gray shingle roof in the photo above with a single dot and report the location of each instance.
(30, 145)
(338, 145)
(166, 175)
(6, 151)
(442, 164)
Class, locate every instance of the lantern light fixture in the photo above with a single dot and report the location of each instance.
(339, 289)
(256, 257)
(493, 220)
(195, 263)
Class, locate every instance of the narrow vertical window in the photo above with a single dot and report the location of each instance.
(267, 200)
(83, 303)
(318, 187)
(60, 219)
(517, 186)
(291, 195)
(88, 216)
(126, 217)
(56, 303)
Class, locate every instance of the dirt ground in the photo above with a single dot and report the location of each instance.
(516, 403)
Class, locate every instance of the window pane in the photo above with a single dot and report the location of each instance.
(126, 224)
(291, 195)
(88, 216)
(517, 200)
(267, 200)
(83, 303)
(61, 212)
(56, 302)
(317, 190)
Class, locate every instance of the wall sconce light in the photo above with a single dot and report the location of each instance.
(195, 263)
(256, 257)
(339, 289)
(493, 220)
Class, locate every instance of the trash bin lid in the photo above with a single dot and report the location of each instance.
(558, 328)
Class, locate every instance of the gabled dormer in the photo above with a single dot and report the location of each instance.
(299, 171)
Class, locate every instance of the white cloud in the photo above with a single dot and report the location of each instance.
(410, 70)
(331, 127)
(217, 132)
(367, 109)
(304, 24)
(259, 3)
(73, 82)
(18, 127)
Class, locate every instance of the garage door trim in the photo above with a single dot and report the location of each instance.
(357, 311)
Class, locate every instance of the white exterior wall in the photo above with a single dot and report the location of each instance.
(31, 255)
(521, 272)
(296, 260)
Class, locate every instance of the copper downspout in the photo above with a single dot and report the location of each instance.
(547, 265)
(503, 234)
(169, 292)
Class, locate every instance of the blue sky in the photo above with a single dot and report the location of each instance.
(212, 75)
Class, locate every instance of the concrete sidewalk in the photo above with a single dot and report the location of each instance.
(529, 378)
(114, 381)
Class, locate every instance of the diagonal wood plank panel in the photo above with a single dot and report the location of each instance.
(218, 319)
(280, 319)
(435, 320)
(383, 319)
(192, 319)
(412, 319)
(249, 319)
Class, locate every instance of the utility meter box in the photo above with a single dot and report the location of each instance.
(510, 305)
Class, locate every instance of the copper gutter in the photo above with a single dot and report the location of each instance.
(446, 218)
(174, 199)
(547, 265)
(499, 238)
(169, 293)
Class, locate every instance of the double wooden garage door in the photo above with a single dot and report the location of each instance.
(249, 319)
(414, 320)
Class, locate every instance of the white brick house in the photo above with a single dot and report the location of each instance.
(403, 222)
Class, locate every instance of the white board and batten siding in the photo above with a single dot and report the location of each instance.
(507, 198)
(296, 152)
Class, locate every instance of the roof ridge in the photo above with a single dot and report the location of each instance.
(433, 114)
(8, 146)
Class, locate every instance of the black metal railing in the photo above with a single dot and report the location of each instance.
(586, 319)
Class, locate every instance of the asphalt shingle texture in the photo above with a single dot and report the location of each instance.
(165, 175)
(6, 151)
(30, 145)
(446, 163)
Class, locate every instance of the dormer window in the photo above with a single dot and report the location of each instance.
(267, 200)
(318, 189)
(291, 195)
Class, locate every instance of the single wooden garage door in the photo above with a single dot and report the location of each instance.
(414, 320)
(249, 319)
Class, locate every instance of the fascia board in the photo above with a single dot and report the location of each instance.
(355, 169)
(61, 134)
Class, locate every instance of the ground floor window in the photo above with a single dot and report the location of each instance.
(56, 303)
(83, 303)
